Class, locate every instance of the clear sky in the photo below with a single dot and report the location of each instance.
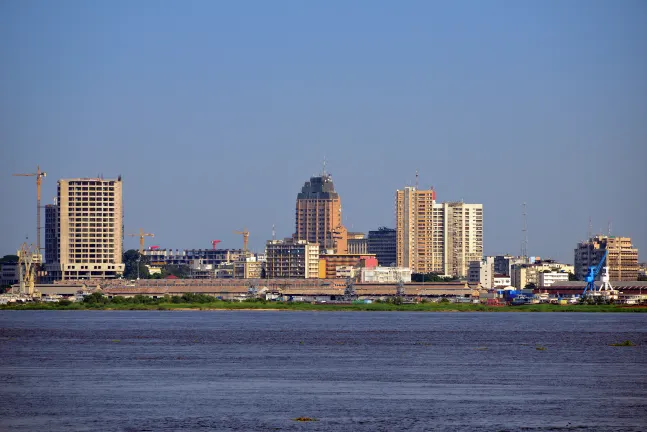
(216, 112)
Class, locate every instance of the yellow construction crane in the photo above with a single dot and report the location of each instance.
(29, 258)
(245, 235)
(39, 179)
(141, 236)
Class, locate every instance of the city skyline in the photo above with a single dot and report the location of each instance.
(493, 103)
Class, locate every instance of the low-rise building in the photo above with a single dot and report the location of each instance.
(328, 263)
(501, 280)
(482, 272)
(357, 243)
(547, 279)
(385, 275)
(248, 268)
(9, 273)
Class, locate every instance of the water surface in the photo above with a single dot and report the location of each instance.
(365, 371)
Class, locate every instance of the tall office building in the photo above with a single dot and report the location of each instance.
(622, 258)
(89, 230)
(437, 237)
(382, 242)
(318, 215)
(51, 233)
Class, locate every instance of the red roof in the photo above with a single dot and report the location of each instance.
(171, 277)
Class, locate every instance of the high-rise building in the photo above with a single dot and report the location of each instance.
(318, 215)
(292, 258)
(622, 259)
(89, 230)
(437, 237)
(51, 233)
(383, 243)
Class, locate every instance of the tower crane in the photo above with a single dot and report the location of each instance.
(141, 236)
(245, 235)
(39, 179)
(594, 271)
(214, 243)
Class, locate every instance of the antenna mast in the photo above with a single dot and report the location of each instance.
(524, 231)
(416, 179)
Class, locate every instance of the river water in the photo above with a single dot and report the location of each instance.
(352, 371)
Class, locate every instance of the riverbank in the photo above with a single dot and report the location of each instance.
(294, 306)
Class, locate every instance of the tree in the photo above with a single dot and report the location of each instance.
(642, 277)
(132, 259)
(431, 277)
(9, 259)
(571, 277)
(531, 285)
(179, 271)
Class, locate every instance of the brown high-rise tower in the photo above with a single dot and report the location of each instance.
(318, 215)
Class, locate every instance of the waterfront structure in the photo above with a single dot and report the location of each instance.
(482, 272)
(318, 215)
(178, 257)
(328, 263)
(385, 275)
(88, 240)
(357, 243)
(622, 258)
(547, 278)
(383, 243)
(291, 258)
(437, 237)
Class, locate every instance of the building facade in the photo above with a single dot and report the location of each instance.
(51, 233)
(357, 243)
(503, 263)
(329, 263)
(622, 259)
(437, 237)
(89, 231)
(162, 257)
(291, 258)
(383, 244)
(318, 215)
(385, 275)
(547, 279)
(482, 272)
(501, 280)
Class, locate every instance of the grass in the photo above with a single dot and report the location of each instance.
(305, 419)
(540, 348)
(165, 305)
(625, 343)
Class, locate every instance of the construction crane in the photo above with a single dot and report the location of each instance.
(141, 236)
(594, 271)
(214, 243)
(245, 235)
(39, 179)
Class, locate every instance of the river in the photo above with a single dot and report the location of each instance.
(352, 371)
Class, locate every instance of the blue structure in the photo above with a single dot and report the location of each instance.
(594, 271)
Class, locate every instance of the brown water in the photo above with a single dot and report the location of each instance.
(364, 371)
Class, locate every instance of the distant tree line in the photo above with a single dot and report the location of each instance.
(431, 277)
(133, 260)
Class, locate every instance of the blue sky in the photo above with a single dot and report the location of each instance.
(215, 113)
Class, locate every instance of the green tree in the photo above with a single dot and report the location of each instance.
(181, 271)
(132, 259)
(571, 277)
(531, 285)
(9, 259)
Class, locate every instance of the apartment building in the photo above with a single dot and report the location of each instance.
(292, 258)
(318, 215)
(87, 242)
(329, 263)
(385, 275)
(622, 259)
(437, 237)
(549, 278)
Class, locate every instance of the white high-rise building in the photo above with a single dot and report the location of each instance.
(89, 231)
(437, 237)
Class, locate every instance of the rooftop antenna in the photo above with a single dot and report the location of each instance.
(524, 231)
(590, 229)
(609, 228)
(324, 166)
(416, 179)
(273, 232)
